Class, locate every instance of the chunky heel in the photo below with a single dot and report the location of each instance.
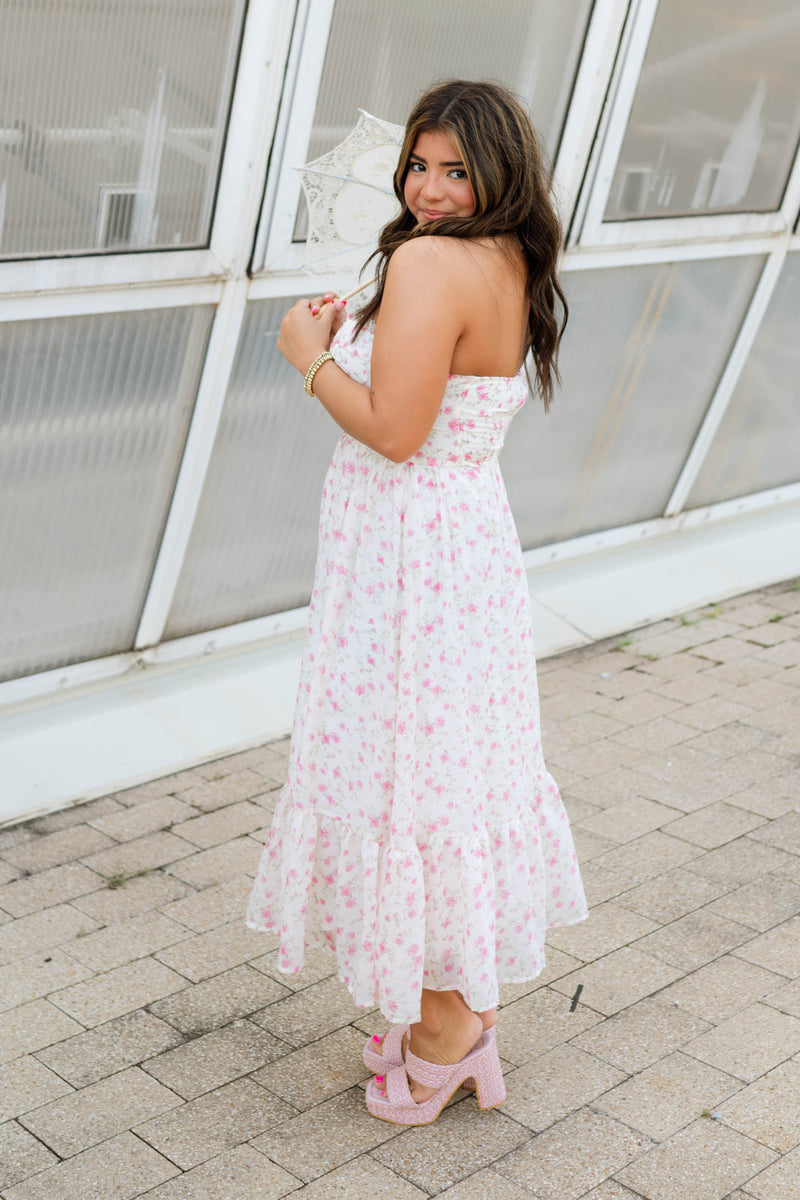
(490, 1087)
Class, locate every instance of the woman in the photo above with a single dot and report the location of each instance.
(419, 834)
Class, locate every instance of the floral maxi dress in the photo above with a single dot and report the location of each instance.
(419, 834)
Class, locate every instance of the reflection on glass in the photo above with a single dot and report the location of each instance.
(93, 418)
(715, 121)
(254, 539)
(642, 355)
(112, 119)
(384, 64)
(757, 445)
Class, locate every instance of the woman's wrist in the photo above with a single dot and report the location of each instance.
(310, 356)
(314, 368)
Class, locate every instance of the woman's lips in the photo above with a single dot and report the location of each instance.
(431, 216)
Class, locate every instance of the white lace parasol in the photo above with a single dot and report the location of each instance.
(350, 196)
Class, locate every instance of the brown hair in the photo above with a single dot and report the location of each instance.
(497, 144)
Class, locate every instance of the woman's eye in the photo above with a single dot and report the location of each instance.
(416, 167)
(458, 173)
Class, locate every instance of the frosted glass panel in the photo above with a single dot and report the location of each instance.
(112, 117)
(254, 541)
(93, 418)
(383, 65)
(716, 119)
(643, 352)
(757, 445)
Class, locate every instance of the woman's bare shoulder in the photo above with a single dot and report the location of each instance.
(422, 267)
(457, 263)
(425, 253)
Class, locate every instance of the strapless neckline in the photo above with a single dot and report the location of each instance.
(502, 378)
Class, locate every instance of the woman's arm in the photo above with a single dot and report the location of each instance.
(421, 318)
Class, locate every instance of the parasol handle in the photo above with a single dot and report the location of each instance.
(354, 291)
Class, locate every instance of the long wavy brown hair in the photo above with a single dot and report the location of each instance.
(499, 148)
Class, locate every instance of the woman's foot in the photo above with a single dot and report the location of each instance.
(376, 1043)
(446, 1033)
(380, 1054)
(395, 1102)
(444, 1048)
(488, 1021)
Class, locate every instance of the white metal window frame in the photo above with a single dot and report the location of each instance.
(276, 253)
(253, 110)
(774, 251)
(232, 298)
(82, 285)
(292, 622)
(591, 230)
(151, 280)
(274, 250)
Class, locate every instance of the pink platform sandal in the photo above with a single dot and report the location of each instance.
(391, 1052)
(482, 1064)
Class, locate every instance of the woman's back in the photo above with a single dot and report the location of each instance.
(491, 280)
(450, 306)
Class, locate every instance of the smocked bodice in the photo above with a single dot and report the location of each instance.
(475, 413)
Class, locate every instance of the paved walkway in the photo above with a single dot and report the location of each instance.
(151, 1048)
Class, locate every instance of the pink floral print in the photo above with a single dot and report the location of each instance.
(419, 834)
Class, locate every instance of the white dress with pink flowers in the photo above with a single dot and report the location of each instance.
(419, 834)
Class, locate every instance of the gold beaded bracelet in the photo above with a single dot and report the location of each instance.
(312, 370)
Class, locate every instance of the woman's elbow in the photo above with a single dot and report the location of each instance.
(399, 450)
(399, 431)
(399, 445)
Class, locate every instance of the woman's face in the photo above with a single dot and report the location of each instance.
(436, 183)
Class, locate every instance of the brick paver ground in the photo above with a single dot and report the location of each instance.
(151, 1048)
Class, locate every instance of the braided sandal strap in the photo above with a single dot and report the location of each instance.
(393, 1042)
(429, 1074)
(397, 1089)
(433, 1075)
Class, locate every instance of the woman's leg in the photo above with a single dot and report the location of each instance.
(488, 1020)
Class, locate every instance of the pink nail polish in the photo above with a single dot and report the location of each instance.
(379, 1078)
(375, 1037)
(314, 310)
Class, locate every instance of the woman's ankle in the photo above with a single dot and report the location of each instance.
(440, 1011)
(488, 1016)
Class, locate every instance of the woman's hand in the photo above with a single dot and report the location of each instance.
(307, 329)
